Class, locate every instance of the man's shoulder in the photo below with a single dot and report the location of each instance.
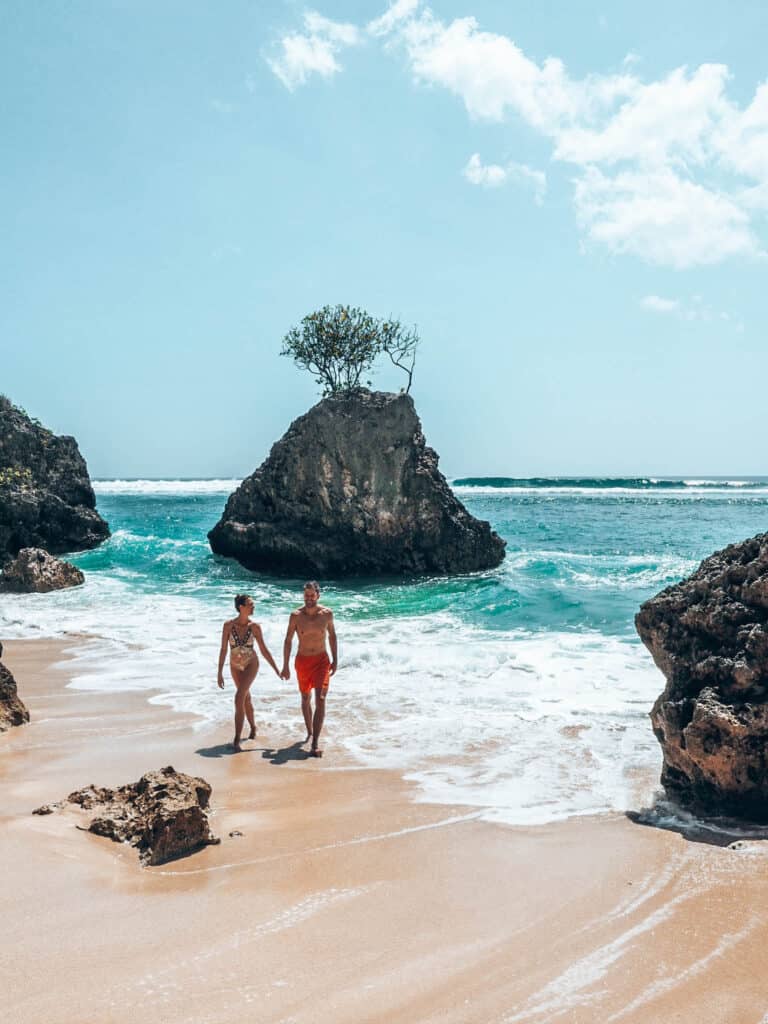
(324, 610)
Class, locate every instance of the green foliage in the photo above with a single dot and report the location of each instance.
(400, 345)
(339, 344)
(16, 476)
(6, 405)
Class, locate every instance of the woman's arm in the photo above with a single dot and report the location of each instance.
(223, 654)
(264, 649)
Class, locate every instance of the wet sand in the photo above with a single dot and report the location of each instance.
(344, 900)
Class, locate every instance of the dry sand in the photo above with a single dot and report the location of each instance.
(344, 900)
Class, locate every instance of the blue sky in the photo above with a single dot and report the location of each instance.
(569, 200)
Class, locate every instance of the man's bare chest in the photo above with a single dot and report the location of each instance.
(311, 629)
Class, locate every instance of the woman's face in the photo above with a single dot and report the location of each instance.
(247, 606)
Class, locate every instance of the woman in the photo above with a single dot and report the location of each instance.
(239, 634)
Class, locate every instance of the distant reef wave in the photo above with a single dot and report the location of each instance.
(634, 483)
(219, 486)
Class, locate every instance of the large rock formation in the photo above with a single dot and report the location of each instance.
(352, 489)
(46, 498)
(12, 710)
(163, 815)
(709, 636)
(34, 571)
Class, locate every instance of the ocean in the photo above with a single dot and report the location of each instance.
(523, 691)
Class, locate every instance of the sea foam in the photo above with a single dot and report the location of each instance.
(170, 487)
(531, 727)
(523, 691)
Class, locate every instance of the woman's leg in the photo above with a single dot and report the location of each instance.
(242, 679)
(249, 715)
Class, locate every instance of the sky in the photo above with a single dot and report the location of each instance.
(568, 200)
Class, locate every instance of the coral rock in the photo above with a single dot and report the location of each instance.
(34, 571)
(709, 636)
(12, 710)
(353, 489)
(163, 815)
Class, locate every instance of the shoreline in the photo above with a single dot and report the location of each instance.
(345, 898)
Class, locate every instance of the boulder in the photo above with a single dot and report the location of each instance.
(46, 498)
(163, 815)
(353, 489)
(12, 710)
(709, 636)
(34, 571)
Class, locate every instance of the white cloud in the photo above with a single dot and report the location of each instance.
(480, 174)
(313, 51)
(741, 138)
(655, 160)
(666, 122)
(336, 31)
(492, 75)
(662, 218)
(755, 198)
(492, 175)
(671, 170)
(656, 304)
(396, 13)
(691, 311)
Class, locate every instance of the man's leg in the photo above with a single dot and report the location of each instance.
(306, 710)
(319, 718)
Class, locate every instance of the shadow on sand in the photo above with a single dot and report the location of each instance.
(714, 831)
(295, 752)
(226, 750)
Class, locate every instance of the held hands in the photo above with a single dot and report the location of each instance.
(286, 672)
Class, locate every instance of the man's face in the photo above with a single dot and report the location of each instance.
(311, 597)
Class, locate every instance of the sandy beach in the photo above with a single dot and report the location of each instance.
(344, 899)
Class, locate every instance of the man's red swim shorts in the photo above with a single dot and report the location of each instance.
(313, 671)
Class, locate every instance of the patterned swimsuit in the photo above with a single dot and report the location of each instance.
(241, 648)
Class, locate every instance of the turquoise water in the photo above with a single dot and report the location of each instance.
(523, 690)
(576, 556)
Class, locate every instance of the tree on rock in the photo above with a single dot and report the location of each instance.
(340, 344)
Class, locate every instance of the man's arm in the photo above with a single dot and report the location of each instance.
(333, 643)
(287, 644)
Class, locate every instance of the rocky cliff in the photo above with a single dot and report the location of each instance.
(709, 636)
(46, 498)
(353, 489)
(12, 710)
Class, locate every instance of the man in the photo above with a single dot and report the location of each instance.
(313, 667)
